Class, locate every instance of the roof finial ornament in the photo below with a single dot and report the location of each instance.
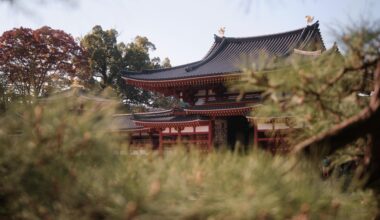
(221, 31)
(309, 19)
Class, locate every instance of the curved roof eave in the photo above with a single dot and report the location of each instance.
(213, 75)
(219, 57)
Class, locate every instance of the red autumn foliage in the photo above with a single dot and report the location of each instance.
(34, 62)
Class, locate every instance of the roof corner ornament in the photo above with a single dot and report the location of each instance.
(309, 19)
(221, 31)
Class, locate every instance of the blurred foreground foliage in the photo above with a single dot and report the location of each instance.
(329, 91)
(333, 97)
(58, 160)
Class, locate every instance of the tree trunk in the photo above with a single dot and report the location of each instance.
(343, 133)
(374, 165)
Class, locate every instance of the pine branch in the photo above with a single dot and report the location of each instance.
(357, 126)
(346, 70)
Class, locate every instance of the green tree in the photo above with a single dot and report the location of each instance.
(108, 57)
(136, 54)
(166, 63)
(136, 58)
(161, 101)
(105, 56)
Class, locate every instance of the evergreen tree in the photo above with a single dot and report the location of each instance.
(108, 57)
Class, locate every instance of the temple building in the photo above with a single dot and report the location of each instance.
(211, 115)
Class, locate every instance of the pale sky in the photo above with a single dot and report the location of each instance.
(183, 29)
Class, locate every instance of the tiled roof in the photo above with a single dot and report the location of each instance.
(220, 110)
(194, 113)
(153, 116)
(226, 52)
(225, 106)
(169, 118)
(124, 123)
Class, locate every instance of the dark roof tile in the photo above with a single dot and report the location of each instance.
(225, 54)
(170, 118)
(124, 122)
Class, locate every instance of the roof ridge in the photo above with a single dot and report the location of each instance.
(233, 39)
(320, 35)
(208, 58)
(209, 52)
(212, 48)
(312, 28)
(225, 40)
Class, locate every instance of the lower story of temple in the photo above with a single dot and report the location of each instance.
(167, 130)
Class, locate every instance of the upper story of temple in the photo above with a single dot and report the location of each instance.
(203, 82)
